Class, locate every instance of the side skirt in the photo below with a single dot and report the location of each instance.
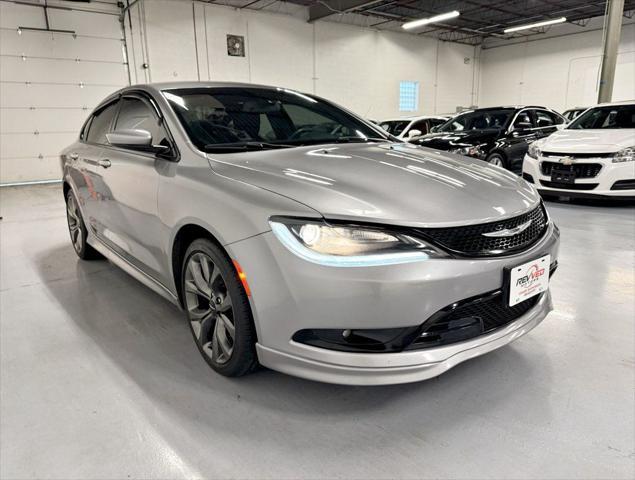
(132, 270)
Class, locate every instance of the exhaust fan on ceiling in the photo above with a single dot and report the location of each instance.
(235, 45)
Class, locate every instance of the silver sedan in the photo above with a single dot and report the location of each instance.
(301, 237)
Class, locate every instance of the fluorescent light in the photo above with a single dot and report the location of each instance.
(536, 25)
(425, 21)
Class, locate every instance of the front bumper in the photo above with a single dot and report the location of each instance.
(391, 368)
(604, 181)
(290, 294)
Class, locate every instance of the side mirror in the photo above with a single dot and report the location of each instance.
(130, 138)
(434, 129)
(414, 133)
(562, 126)
(135, 139)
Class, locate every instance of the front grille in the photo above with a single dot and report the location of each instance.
(577, 155)
(581, 170)
(624, 185)
(470, 319)
(470, 241)
(569, 186)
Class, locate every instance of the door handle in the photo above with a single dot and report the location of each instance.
(74, 156)
(104, 162)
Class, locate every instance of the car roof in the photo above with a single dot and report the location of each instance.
(610, 104)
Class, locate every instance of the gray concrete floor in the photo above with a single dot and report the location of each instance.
(101, 379)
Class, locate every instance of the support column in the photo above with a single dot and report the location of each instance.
(612, 31)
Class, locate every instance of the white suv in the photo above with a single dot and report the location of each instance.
(593, 157)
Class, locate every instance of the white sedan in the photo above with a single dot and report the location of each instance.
(593, 157)
(411, 127)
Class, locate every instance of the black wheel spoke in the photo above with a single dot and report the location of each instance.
(209, 307)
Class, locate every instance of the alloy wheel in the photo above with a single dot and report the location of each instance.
(74, 223)
(209, 307)
(496, 160)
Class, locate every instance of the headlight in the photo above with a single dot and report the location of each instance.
(625, 155)
(470, 151)
(534, 151)
(349, 245)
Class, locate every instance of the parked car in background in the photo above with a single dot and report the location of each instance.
(297, 235)
(572, 113)
(405, 128)
(593, 157)
(498, 135)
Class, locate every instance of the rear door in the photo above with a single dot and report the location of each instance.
(129, 182)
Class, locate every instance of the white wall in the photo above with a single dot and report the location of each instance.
(357, 67)
(558, 72)
(49, 82)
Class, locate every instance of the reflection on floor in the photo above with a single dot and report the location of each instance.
(100, 379)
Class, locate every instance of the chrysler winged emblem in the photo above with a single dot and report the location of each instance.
(508, 232)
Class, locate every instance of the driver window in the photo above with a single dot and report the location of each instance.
(523, 121)
(543, 119)
(421, 125)
(136, 114)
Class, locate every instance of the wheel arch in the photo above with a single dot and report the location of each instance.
(185, 235)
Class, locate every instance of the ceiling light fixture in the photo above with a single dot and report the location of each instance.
(435, 19)
(536, 25)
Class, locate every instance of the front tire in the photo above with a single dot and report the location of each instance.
(497, 159)
(218, 310)
(77, 230)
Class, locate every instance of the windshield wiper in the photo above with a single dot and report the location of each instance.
(244, 146)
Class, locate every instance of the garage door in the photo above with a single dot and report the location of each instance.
(50, 81)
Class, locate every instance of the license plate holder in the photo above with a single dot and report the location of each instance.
(527, 280)
(562, 175)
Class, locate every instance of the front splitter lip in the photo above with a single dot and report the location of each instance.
(404, 367)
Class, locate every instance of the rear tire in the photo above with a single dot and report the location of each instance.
(77, 230)
(497, 159)
(218, 310)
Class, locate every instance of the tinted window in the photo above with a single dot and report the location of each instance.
(478, 120)
(395, 127)
(137, 114)
(220, 116)
(523, 120)
(421, 125)
(100, 124)
(544, 119)
(610, 117)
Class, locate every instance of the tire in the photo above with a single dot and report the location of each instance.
(497, 159)
(218, 310)
(77, 230)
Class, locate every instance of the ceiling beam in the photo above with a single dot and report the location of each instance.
(331, 7)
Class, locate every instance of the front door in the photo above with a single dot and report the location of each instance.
(518, 139)
(128, 217)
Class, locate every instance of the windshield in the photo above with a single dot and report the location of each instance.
(394, 127)
(259, 118)
(605, 118)
(477, 120)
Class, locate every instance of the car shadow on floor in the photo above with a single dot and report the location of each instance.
(147, 339)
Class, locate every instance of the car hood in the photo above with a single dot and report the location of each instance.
(589, 141)
(448, 140)
(398, 184)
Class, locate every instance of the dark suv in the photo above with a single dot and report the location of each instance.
(499, 135)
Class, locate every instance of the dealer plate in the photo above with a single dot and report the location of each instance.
(528, 280)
